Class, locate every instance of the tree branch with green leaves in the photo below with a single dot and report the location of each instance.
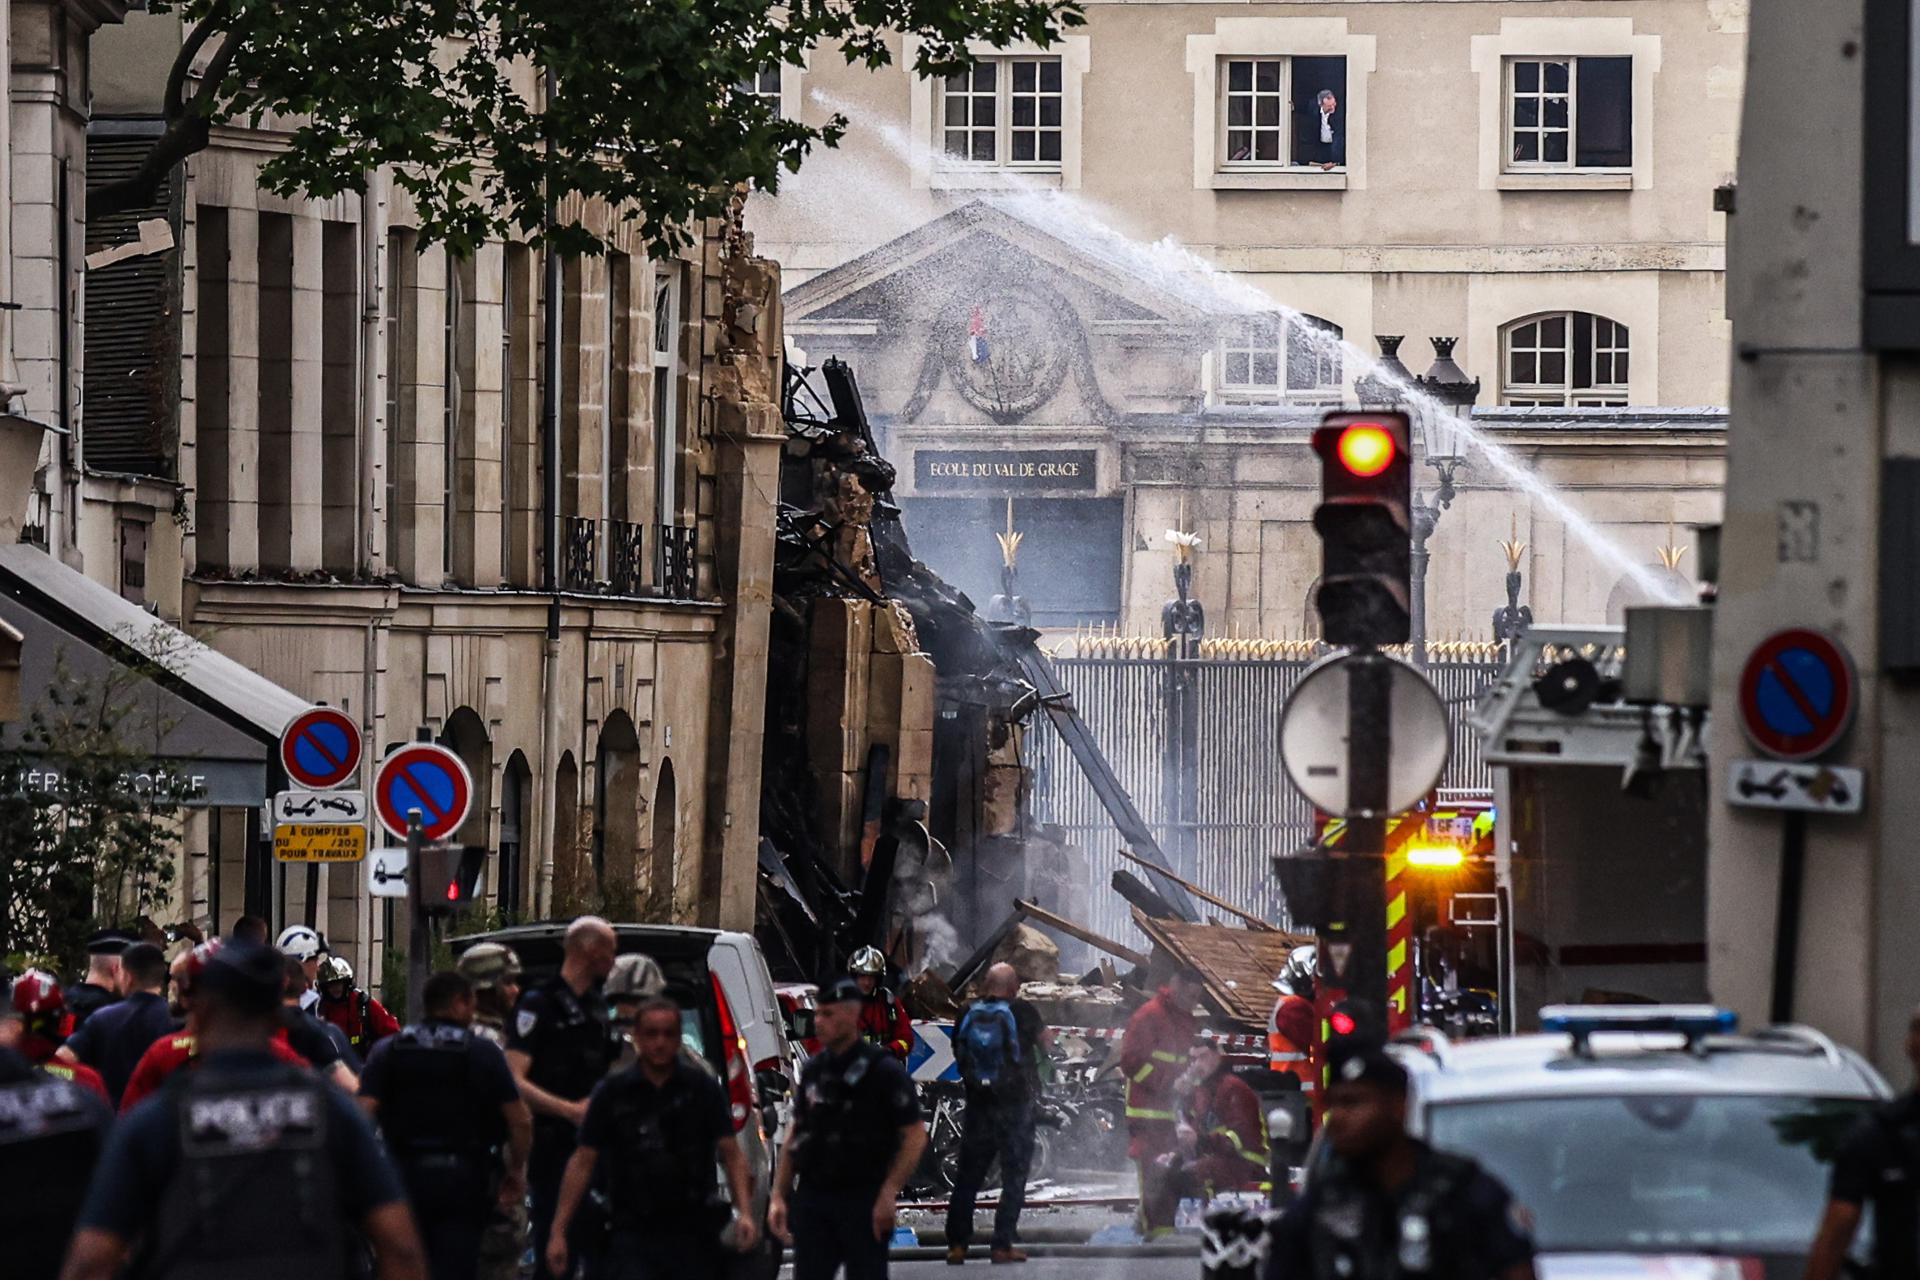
(647, 120)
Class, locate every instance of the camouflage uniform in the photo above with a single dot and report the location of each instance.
(504, 1243)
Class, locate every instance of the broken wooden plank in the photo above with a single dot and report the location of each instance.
(1060, 924)
(1253, 921)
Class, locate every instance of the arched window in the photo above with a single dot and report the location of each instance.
(466, 736)
(569, 887)
(1564, 359)
(1272, 357)
(663, 852)
(516, 811)
(616, 809)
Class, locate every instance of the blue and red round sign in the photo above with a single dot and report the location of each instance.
(320, 749)
(426, 777)
(1797, 694)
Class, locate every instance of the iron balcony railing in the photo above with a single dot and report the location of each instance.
(580, 554)
(679, 548)
(626, 558)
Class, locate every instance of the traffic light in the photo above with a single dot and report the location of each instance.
(1306, 882)
(1366, 553)
(1352, 1025)
(449, 876)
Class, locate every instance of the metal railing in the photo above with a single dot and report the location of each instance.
(626, 558)
(1239, 807)
(580, 554)
(679, 550)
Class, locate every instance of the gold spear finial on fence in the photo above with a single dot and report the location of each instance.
(1672, 554)
(1516, 550)
(1009, 541)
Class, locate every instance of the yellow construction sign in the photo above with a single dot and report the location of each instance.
(320, 842)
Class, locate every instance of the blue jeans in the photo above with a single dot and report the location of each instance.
(1000, 1127)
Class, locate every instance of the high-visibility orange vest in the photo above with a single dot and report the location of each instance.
(1286, 1052)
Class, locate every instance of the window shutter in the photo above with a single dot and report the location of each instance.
(131, 390)
(1605, 95)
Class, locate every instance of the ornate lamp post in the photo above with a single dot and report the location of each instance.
(1386, 386)
(1442, 433)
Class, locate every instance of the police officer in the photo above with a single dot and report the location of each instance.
(244, 1166)
(1878, 1165)
(51, 1132)
(559, 1047)
(1387, 1205)
(494, 971)
(453, 1119)
(101, 986)
(654, 1130)
(857, 1137)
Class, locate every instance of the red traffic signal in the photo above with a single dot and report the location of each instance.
(449, 876)
(1364, 523)
(1366, 448)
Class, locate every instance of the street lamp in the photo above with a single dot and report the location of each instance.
(1385, 387)
(1443, 427)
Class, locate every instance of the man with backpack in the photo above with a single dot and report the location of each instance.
(997, 1045)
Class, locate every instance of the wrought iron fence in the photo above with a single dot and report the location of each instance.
(626, 558)
(679, 547)
(580, 561)
(1223, 822)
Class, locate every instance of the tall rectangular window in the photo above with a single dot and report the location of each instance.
(1256, 110)
(619, 370)
(340, 529)
(1570, 113)
(212, 377)
(400, 434)
(510, 299)
(450, 407)
(666, 393)
(1003, 113)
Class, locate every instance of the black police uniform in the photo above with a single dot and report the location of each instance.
(846, 1132)
(441, 1089)
(655, 1155)
(51, 1132)
(569, 1046)
(113, 1043)
(84, 999)
(1450, 1221)
(242, 1167)
(1878, 1165)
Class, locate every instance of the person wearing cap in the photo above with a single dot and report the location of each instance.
(1153, 1053)
(1385, 1204)
(101, 986)
(113, 1040)
(494, 970)
(1221, 1140)
(857, 1136)
(51, 1133)
(559, 1047)
(244, 1166)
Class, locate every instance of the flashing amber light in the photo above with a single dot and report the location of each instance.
(1366, 449)
(1342, 1023)
(1438, 856)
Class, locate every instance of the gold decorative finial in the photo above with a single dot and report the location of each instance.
(1671, 556)
(1516, 550)
(1009, 541)
(1184, 545)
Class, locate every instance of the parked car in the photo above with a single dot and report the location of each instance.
(731, 1020)
(798, 1002)
(1649, 1140)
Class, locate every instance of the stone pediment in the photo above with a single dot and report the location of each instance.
(986, 305)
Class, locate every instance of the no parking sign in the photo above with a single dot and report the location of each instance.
(1797, 694)
(426, 777)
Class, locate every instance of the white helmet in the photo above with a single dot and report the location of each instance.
(1298, 974)
(868, 962)
(635, 977)
(299, 942)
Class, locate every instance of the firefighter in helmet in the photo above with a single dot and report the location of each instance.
(1290, 1030)
(364, 1019)
(883, 1019)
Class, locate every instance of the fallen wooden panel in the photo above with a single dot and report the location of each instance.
(1238, 966)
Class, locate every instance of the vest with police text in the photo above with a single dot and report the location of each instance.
(50, 1135)
(255, 1192)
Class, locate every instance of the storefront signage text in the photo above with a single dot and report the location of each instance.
(1003, 470)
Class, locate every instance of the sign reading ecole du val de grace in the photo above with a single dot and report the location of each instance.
(1003, 470)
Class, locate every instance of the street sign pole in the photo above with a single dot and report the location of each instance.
(1363, 879)
(419, 928)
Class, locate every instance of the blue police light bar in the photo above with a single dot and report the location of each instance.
(1693, 1021)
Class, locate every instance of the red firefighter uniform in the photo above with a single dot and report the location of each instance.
(1229, 1149)
(884, 1021)
(365, 1020)
(45, 1021)
(1153, 1054)
(1290, 1039)
(169, 1054)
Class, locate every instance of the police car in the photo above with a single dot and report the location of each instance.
(1651, 1140)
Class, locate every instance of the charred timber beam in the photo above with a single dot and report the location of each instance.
(1060, 924)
